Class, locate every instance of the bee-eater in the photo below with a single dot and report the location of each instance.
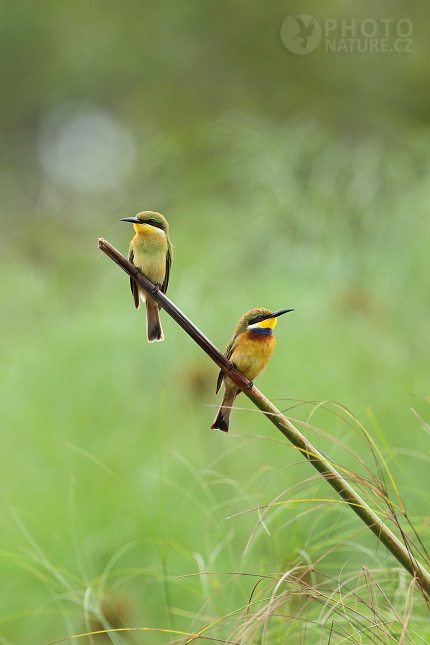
(249, 351)
(151, 252)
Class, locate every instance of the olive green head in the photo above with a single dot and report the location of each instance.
(258, 317)
(149, 218)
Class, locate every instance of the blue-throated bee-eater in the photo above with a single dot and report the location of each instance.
(151, 252)
(249, 351)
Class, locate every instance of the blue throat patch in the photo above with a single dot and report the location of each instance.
(266, 331)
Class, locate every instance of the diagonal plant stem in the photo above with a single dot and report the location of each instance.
(318, 461)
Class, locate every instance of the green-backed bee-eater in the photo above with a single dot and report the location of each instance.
(249, 350)
(151, 252)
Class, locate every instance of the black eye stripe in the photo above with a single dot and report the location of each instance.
(153, 222)
(256, 320)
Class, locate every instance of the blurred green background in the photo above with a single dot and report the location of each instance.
(288, 181)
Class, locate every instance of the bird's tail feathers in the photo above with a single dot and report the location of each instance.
(222, 419)
(154, 331)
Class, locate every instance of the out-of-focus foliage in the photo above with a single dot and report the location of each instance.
(288, 181)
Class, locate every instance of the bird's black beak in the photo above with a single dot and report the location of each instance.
(133, 220)
(279, 313)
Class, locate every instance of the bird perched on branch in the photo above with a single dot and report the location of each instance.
(151, 252)
(249, 351)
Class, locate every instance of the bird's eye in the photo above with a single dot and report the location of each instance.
(151, 221)
(257, 319)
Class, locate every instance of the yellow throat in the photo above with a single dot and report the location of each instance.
(269, 323)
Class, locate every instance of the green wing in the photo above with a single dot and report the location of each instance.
(133, 284)
(228, 352)
(164, 286)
